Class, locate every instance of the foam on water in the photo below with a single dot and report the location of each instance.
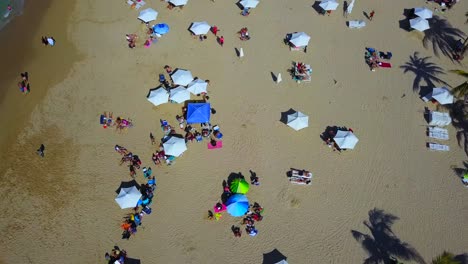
(7, 15)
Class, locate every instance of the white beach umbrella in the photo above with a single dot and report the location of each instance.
(345, 139)
(200, 28)
(179, 95)
(298, 121)
(198, 86)
(420, 24)
(148, 15)
(350, 7)
(329, 5)
(128, 197)
(249, 3)
(442, 95)
(182, 77)
(175, 146)
(300, 39)
(158, 96)
(178, 2)
(423, 12)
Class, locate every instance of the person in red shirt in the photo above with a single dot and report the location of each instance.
(221, 40)
(215, 30)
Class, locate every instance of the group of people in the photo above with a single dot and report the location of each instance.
(133, 160)
(24, 84)
(117, 256)
(244, 34)
(48, 41)
(374, 59)
(300, 177)
(107, 120)
(254, 215)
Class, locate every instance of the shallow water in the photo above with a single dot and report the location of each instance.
(8, 15)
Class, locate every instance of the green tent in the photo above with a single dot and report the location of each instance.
(239, 186)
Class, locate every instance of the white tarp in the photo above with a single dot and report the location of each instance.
(158, 96)
(298, 121)
(345, 139)
(182, 77)
(179, 95)
(200, 28)
(198, 86)
(175, 146)
(148, 15)
(128, 197)
(439, 119)
(420, 24)
(300, 39)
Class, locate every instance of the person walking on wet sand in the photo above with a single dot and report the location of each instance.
(41, 150)
(153, 140)
(221, 40)
(371, 15)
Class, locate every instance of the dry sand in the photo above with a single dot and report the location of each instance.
(61, 209)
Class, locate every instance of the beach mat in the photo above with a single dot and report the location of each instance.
(219, 144)
(385, 65)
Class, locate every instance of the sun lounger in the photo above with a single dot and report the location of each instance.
(438, 147)
(438, 133)
(301, 174)
(356, 24)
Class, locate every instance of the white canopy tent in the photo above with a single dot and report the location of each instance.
(182, 77)
(179, 95)
(439, 119)
(200, 28)
(423, 12)
(158, 96)
(329, 5)
(420, 24)
(249, 3)
(174, 146)
(198, 86)
(178, 2)
(300, 39)
(298, 121)
(128, 197)
(148, 15)
(345, 139)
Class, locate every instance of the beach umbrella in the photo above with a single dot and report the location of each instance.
(298, 121)
(200, 28)
(179, 95)
(161, 29)
(299, 39)
(274, 257)
(345, 139)
(178, 2)
(197, 86)
(237, 205)
(148, 15)
(420, 24)
(239, 186)
(329, 5)
(128, 194)
(350, 7)
(158, 96)
(182, 77)
(249, 3)
(423, 12)
(198, 113)
(174, 146)
(442, 95)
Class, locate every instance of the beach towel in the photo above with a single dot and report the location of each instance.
(102, 120)
(219, 144)
(223, 208)
(385, 65)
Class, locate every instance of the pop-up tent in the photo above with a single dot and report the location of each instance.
(198, 113)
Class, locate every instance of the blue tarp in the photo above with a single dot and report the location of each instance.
(198, 113)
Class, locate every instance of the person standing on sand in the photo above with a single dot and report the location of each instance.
(41, 150)
(221, 40)
(371, 15)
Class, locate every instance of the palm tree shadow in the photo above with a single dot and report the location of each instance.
(424, 70)
(459, 121)
(442, 36)
(382, 245)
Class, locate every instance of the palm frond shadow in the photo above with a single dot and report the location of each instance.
(459, 121)
(424, 70)
(382, 245)
(442, 37)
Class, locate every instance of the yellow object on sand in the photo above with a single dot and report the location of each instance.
(218, 216)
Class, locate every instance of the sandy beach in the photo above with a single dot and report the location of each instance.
(61, 209)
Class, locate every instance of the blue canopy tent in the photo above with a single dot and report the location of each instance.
(198, 113)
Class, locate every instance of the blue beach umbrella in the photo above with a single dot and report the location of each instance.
(237, 205)
(161, 29)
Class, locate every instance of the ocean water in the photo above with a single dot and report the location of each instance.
(6, 15)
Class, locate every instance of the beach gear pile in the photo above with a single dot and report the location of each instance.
(377, 59)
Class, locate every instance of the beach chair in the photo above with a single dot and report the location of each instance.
(438, 133)
(438, 147)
